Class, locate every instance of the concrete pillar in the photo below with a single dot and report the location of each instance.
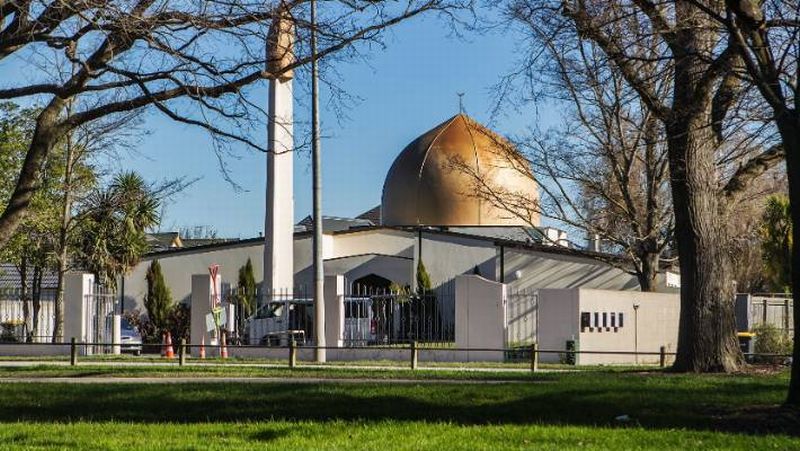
(202, 291)
(116, 334)
(334, 310)
(77, 319)
(481, 320)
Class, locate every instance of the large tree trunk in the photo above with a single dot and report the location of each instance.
(789, 129)
(707, 330)
(45, 136)
(706, 340)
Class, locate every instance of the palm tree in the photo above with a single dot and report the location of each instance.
(114, 225)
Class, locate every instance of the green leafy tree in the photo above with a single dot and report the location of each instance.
(776, 243)
(158, 301)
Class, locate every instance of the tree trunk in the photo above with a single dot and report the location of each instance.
(789, 129)
(648, 272)
(63, 232)
(36, 289)
(706, 339)
(22, 269)
(44, 138)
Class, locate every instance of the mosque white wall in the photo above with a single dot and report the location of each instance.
(526, 269)
(391, 254)
(179, 266)
(654, 323)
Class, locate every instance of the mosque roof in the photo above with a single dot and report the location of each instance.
(434, 180)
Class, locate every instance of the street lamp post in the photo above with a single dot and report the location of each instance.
(636, 332)
(316, 162)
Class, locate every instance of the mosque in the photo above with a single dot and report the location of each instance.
(429, 215)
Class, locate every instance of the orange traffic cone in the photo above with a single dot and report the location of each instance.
(170, 354)
(223, 350)
(163, 344)
(202, 347)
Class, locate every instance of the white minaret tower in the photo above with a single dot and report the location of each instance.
(279, 220)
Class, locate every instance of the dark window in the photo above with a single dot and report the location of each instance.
(586, 320)
(605, 319)
(613, 319)
(596, 319)
(620, 319)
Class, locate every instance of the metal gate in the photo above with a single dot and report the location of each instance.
(522, 313)
(100, 306)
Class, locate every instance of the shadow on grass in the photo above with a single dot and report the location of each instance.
(733, 404)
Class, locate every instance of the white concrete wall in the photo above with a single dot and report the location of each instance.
(77, 286)
(558, 321)
(654, 325)
(334, 310)
(480, 316)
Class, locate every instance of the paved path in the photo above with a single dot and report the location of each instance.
(174, 363)
(246, 380)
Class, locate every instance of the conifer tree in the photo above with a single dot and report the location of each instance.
(158, 301)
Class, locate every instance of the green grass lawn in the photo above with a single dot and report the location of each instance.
(554, 410)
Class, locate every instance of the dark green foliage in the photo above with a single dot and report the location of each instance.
(158, 300)
(246, 291)
(776, 243)
(113, 229)
(771, 340)
(423, 279)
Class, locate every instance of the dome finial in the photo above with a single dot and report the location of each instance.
(460, 102)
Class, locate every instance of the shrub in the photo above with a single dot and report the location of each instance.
(771, 340)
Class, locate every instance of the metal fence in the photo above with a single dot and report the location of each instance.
(372, 316)
(384, 316)
(23, 320)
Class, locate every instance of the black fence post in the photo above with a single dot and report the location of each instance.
(414, 355)
(182, 353)
(534, 357)
(73, 351)
(662, 358)
(292, 354)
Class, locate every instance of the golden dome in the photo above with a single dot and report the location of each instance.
(434, 179)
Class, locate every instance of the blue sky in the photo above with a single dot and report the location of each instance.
(404, 90)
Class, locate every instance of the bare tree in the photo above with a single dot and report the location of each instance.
(679, 63)
(765, 36)
(603, 171)
(191, 61)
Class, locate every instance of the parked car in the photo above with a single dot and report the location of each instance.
(130, 340)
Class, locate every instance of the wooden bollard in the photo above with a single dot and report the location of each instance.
(534, 357)
(73, 351)
(662, 357)
(292, 354)
(182, 353)
(414, 355)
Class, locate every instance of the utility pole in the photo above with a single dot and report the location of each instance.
(316, 163)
